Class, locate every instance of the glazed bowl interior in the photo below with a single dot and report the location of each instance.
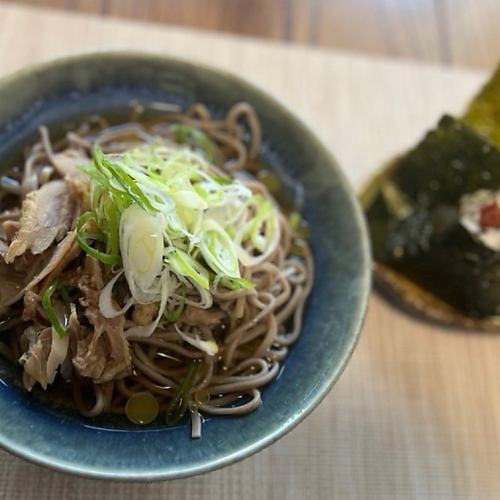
(61, 93)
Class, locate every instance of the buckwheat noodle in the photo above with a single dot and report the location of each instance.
(259, 324)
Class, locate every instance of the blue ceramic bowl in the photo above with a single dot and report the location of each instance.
(62, 91)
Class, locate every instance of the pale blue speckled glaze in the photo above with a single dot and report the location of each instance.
(56, 92)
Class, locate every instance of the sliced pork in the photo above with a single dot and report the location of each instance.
(47, 215)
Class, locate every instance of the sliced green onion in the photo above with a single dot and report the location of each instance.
(264, 209)
(83, 219)
(236, 283)
(113, 218)
(298, 225)
(195, 137)
(142, 250)
(100, 256)
(82, 237)
(209, 347)
(223, 181)
(218, 250)
(205, 225)
(189, 198)
(182, 397)
(294, 219)
(173, 315)
(182, 263)
(261, 233)
(49, 310)
(91, 170)
(210, 192)
(125, 181)
(95, 235)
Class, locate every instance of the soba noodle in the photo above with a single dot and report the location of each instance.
(252, 327)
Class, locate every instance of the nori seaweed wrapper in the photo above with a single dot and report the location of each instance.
(423, 239)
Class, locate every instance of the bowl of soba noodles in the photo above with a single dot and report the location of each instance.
(184, 269)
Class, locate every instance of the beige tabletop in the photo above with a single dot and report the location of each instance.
(454, 32)
(416, 414)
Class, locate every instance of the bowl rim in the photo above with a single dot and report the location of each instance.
(359, 311)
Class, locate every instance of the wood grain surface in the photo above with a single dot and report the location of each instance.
(456, 32)
(416, 415)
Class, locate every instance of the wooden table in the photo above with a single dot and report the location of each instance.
(455, 32)
(416, 415)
